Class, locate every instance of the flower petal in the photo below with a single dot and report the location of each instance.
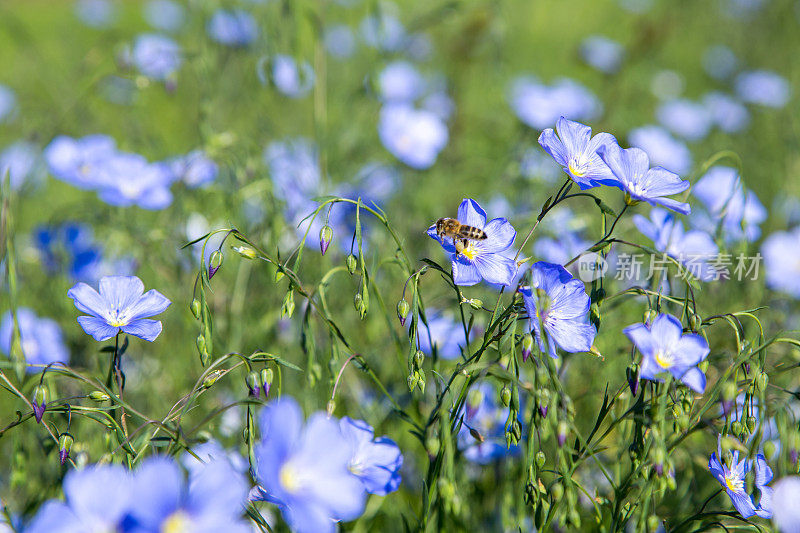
(553, 146)
(144, 328)
(150, 304)
(97, 327)
(570, 335)
(500, 236)
(641, 336)
(471, 214)
(574, 135)
(694, 379)
(120, 292)
(87, 300)
(465, 273)
(495, 268)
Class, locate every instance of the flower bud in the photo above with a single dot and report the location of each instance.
(253, 382)
(402, 311)
(769, 449)
(476, 434)
(266, 380)
(278, 275)
(331, 406)
(505, 396)
(703, 366)
(543, 410)
(652, 523)
(99, 396)
(527, 346)
(649, 316)
(195, 307)
(287, 308)
(325, 238)
(762, 381)
(632, 373)
(351, 263)
(245, 251)
(751, 424)
(360, 306)
(475, 303)
(419, 358)
(557, 492)
(696, 322)
(212, 378)
(540, 459)
(214, 262)
(39, 402)
(562, 433)
(65, 441)
(412, 381)
(736, 427)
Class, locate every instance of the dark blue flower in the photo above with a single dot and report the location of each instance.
(97, 498)
(558, 310)
(41, 339)
(576, 151)
(632, 168)
(232, 27)
(376, 462)
(212, 499)
(733, 479)
(304, 468)
(664, 349)
(119, 306)
(484, 259)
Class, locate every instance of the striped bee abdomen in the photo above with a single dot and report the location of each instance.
(471, 232)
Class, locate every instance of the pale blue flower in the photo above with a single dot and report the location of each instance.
(720, 62)
(156, 56)
(481, 259)
(781, 252)
(120, 306)
(22, 161)
(96, 13)
(534, 164)
(233, 27)
(80, 162)
(540, 106)
(558, 310)
(737, 209)
(195, 169)
(663, 149)
(786, 512)
(129, 179)
(41, 339)
(164, 15)
(727, 113)
(575, 150)
(290, 78)
(688, 119)
(631, 167)
(602, 53)
(733, 479)
(665, 349)
(340, 41)
(384, 32)
(414, 136)
(376, 462)
(400, 82)
(442, 335)
(8, 103)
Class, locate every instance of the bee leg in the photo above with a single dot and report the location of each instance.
(459, 245)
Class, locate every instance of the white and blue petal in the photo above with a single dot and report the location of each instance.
(98, 328)
(144, 328)
(471, 213)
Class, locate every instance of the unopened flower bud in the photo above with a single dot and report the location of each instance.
(253, 381)
(475, 303)
(325, 238)
(649, 316)
(351, 263)
(736, 427)
(360, 306)
(214, 262)
(412, 381)
(527, 346)
(65, 441)
(505, 396)
(419, 358)
(195, 307)
(278, 275)
(330, 407)
(402, 311)
(540, 459)
(652, 523)
(557, 492)
(476, 434)
(543, 410)
(632, 373)
(39, 402)
(99, 396)
(245, 251)
(212, 378)
(762, 381)
(562, 433)
(751, 424)
(266, 380)
(696, 322)
(287, 308)
(769, 449)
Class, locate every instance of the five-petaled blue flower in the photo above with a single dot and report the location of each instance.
(304, 468)
(376, 462)
(119, 306)
(481, 259)
(732, 478)
(575, 150)
(558, 304)
(664, 348)
(41, 339)
(632, 168)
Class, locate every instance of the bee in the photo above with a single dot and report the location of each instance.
(450, 228)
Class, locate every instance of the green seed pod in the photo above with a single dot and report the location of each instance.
(703, 366)
(99, 396)
(540, 459)
(358, 303)
(195, 308)
(729, 391)
(201, 344)
(432, 445)
(351, 263)
(736, 427)
(475, 303)
(412, 381)
(287, 308)
(402, 311)
(245, 251)
(557, 492)
(505, 396)
(769, 449)
(751, 424)
(696, 322)
(278, 275)
(575, 518)
(212, 378)
(762, 381)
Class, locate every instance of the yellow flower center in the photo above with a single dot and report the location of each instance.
(289, 478)
(664, 359)
(575, 169)
(469, 251)
(177, 522)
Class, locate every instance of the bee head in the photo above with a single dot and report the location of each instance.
(440, 225)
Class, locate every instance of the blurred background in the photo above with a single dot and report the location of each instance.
(222, 114)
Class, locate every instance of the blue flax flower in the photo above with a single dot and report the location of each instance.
(733, 479)
(786, 512)
(414, 136)
(129, 179)
(691, 120)
(232, 27)
(763, 87)
(304, 469)
(664, 349)
(212, 499)
(632, 168)
(602, 53)
(576, 151)
(119, 306)
(539, 105)
(782, 261)
(156, 56)
(400, 82)
(664, 149)
(737, 209)
(41, 339)
(79, 161)
(166, 15)
(484, 259)
(376, 462)
(291, 78)
(97, 498)
(22, 161)
(195, 169)
(558, 310)
(727, 113)
(96, 13)
(8, 102)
